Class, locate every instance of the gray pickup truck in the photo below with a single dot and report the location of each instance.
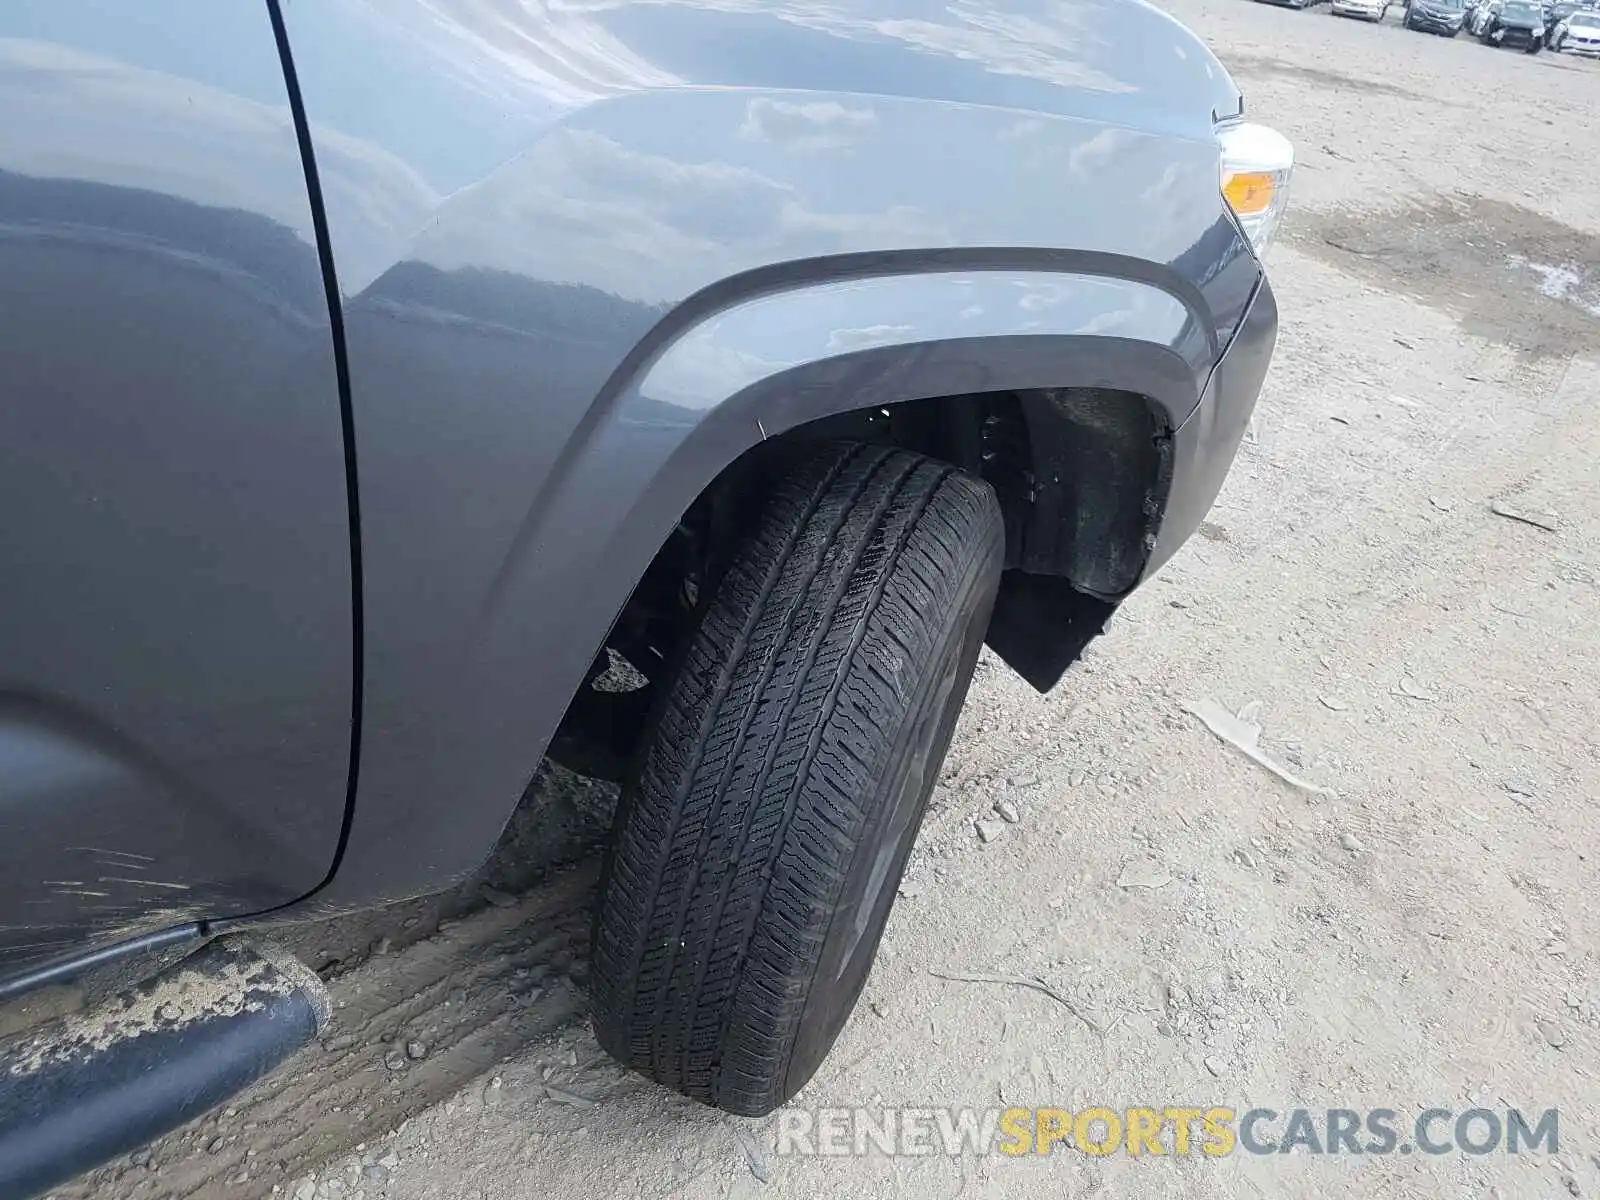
(397, 393)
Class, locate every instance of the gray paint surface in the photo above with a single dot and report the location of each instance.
(175, 624)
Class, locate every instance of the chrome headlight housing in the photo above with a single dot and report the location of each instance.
(1257, 164)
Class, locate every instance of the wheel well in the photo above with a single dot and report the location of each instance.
(1081, 475)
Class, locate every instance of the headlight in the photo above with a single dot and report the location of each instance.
(1256, 165)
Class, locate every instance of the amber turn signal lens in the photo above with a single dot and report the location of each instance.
(1256, 165)
(1250, 192)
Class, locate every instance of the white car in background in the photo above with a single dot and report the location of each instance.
(1372, 10)
(1578, 33)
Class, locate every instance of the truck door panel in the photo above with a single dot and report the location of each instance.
(175, 615)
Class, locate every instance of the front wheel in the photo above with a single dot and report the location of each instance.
(1535, 46)
(758, 851)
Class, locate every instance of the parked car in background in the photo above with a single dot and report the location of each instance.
(1371, 10)
(1578, 33)
(1558, 12)
(1443, 17)
(1515, 23)
(381, 378)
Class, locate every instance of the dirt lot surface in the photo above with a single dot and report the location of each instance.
(1424, 936)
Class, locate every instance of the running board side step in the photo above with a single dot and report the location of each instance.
(104, 1082)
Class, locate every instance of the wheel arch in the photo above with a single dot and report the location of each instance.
(690, 405)
(1091, 369)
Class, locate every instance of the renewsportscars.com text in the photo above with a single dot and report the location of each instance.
(1168, 1130)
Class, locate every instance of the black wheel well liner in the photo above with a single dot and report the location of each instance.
(1081, 474)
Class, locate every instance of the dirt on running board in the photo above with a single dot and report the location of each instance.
(407, 1032)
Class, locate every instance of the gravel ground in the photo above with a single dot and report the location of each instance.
(1421, 937)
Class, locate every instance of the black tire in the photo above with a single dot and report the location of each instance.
(758, 852)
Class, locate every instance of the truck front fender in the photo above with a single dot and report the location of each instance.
(587, 256)
(749, 360)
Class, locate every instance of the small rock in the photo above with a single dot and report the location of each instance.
(1107, 780)
(988, 830)
(1215, 1065)
(169, 1012)
(880, 1008)
(1144, 875)
(1007, 812)
(1246, 859)
(375, 1173)
(1551, 1032)
(1351, 842)
(381, 947)
(496, 897)
(307, 1190)
(389, 1161)
(395, 1060)
(910, 889)
(140, 1158)
(1079, 778)
(338, 1042)
(755, 1154)
(574, 1099)
(214, 1145)
(1521, 785)
(417, 1050)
